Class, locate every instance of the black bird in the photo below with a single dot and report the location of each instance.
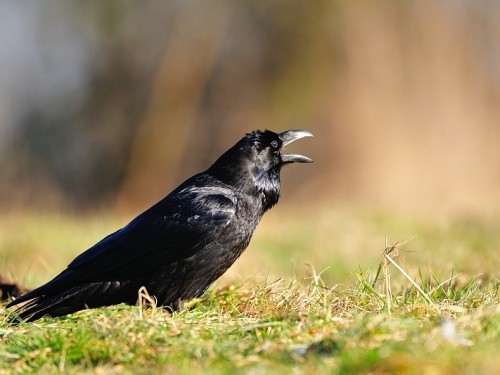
(181, 245)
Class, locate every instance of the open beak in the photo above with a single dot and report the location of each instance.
(288, 137)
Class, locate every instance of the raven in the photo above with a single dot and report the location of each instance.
(182, 244)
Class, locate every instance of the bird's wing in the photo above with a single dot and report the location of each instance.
(172, 230)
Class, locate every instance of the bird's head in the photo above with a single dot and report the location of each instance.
(264, 149)
(255, 162)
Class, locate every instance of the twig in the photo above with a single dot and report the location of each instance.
(388, 257)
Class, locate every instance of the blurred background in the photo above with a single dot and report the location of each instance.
(107, 106)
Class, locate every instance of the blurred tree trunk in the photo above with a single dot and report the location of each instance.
(163, 134)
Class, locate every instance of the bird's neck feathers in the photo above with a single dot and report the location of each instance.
(267, 184)
(236, 169)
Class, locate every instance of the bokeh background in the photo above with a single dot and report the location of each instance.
(105, 106)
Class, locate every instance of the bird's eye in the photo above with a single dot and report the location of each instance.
(274, 144)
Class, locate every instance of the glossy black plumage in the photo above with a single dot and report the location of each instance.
(182, 244)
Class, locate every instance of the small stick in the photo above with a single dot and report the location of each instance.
(388, 257)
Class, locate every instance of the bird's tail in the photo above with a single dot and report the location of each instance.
(62, 302)
(51, 305)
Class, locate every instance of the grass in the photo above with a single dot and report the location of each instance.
(429, 305)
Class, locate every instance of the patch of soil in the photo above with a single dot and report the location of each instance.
(10, 289)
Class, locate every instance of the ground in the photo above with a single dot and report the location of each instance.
(319, 292)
